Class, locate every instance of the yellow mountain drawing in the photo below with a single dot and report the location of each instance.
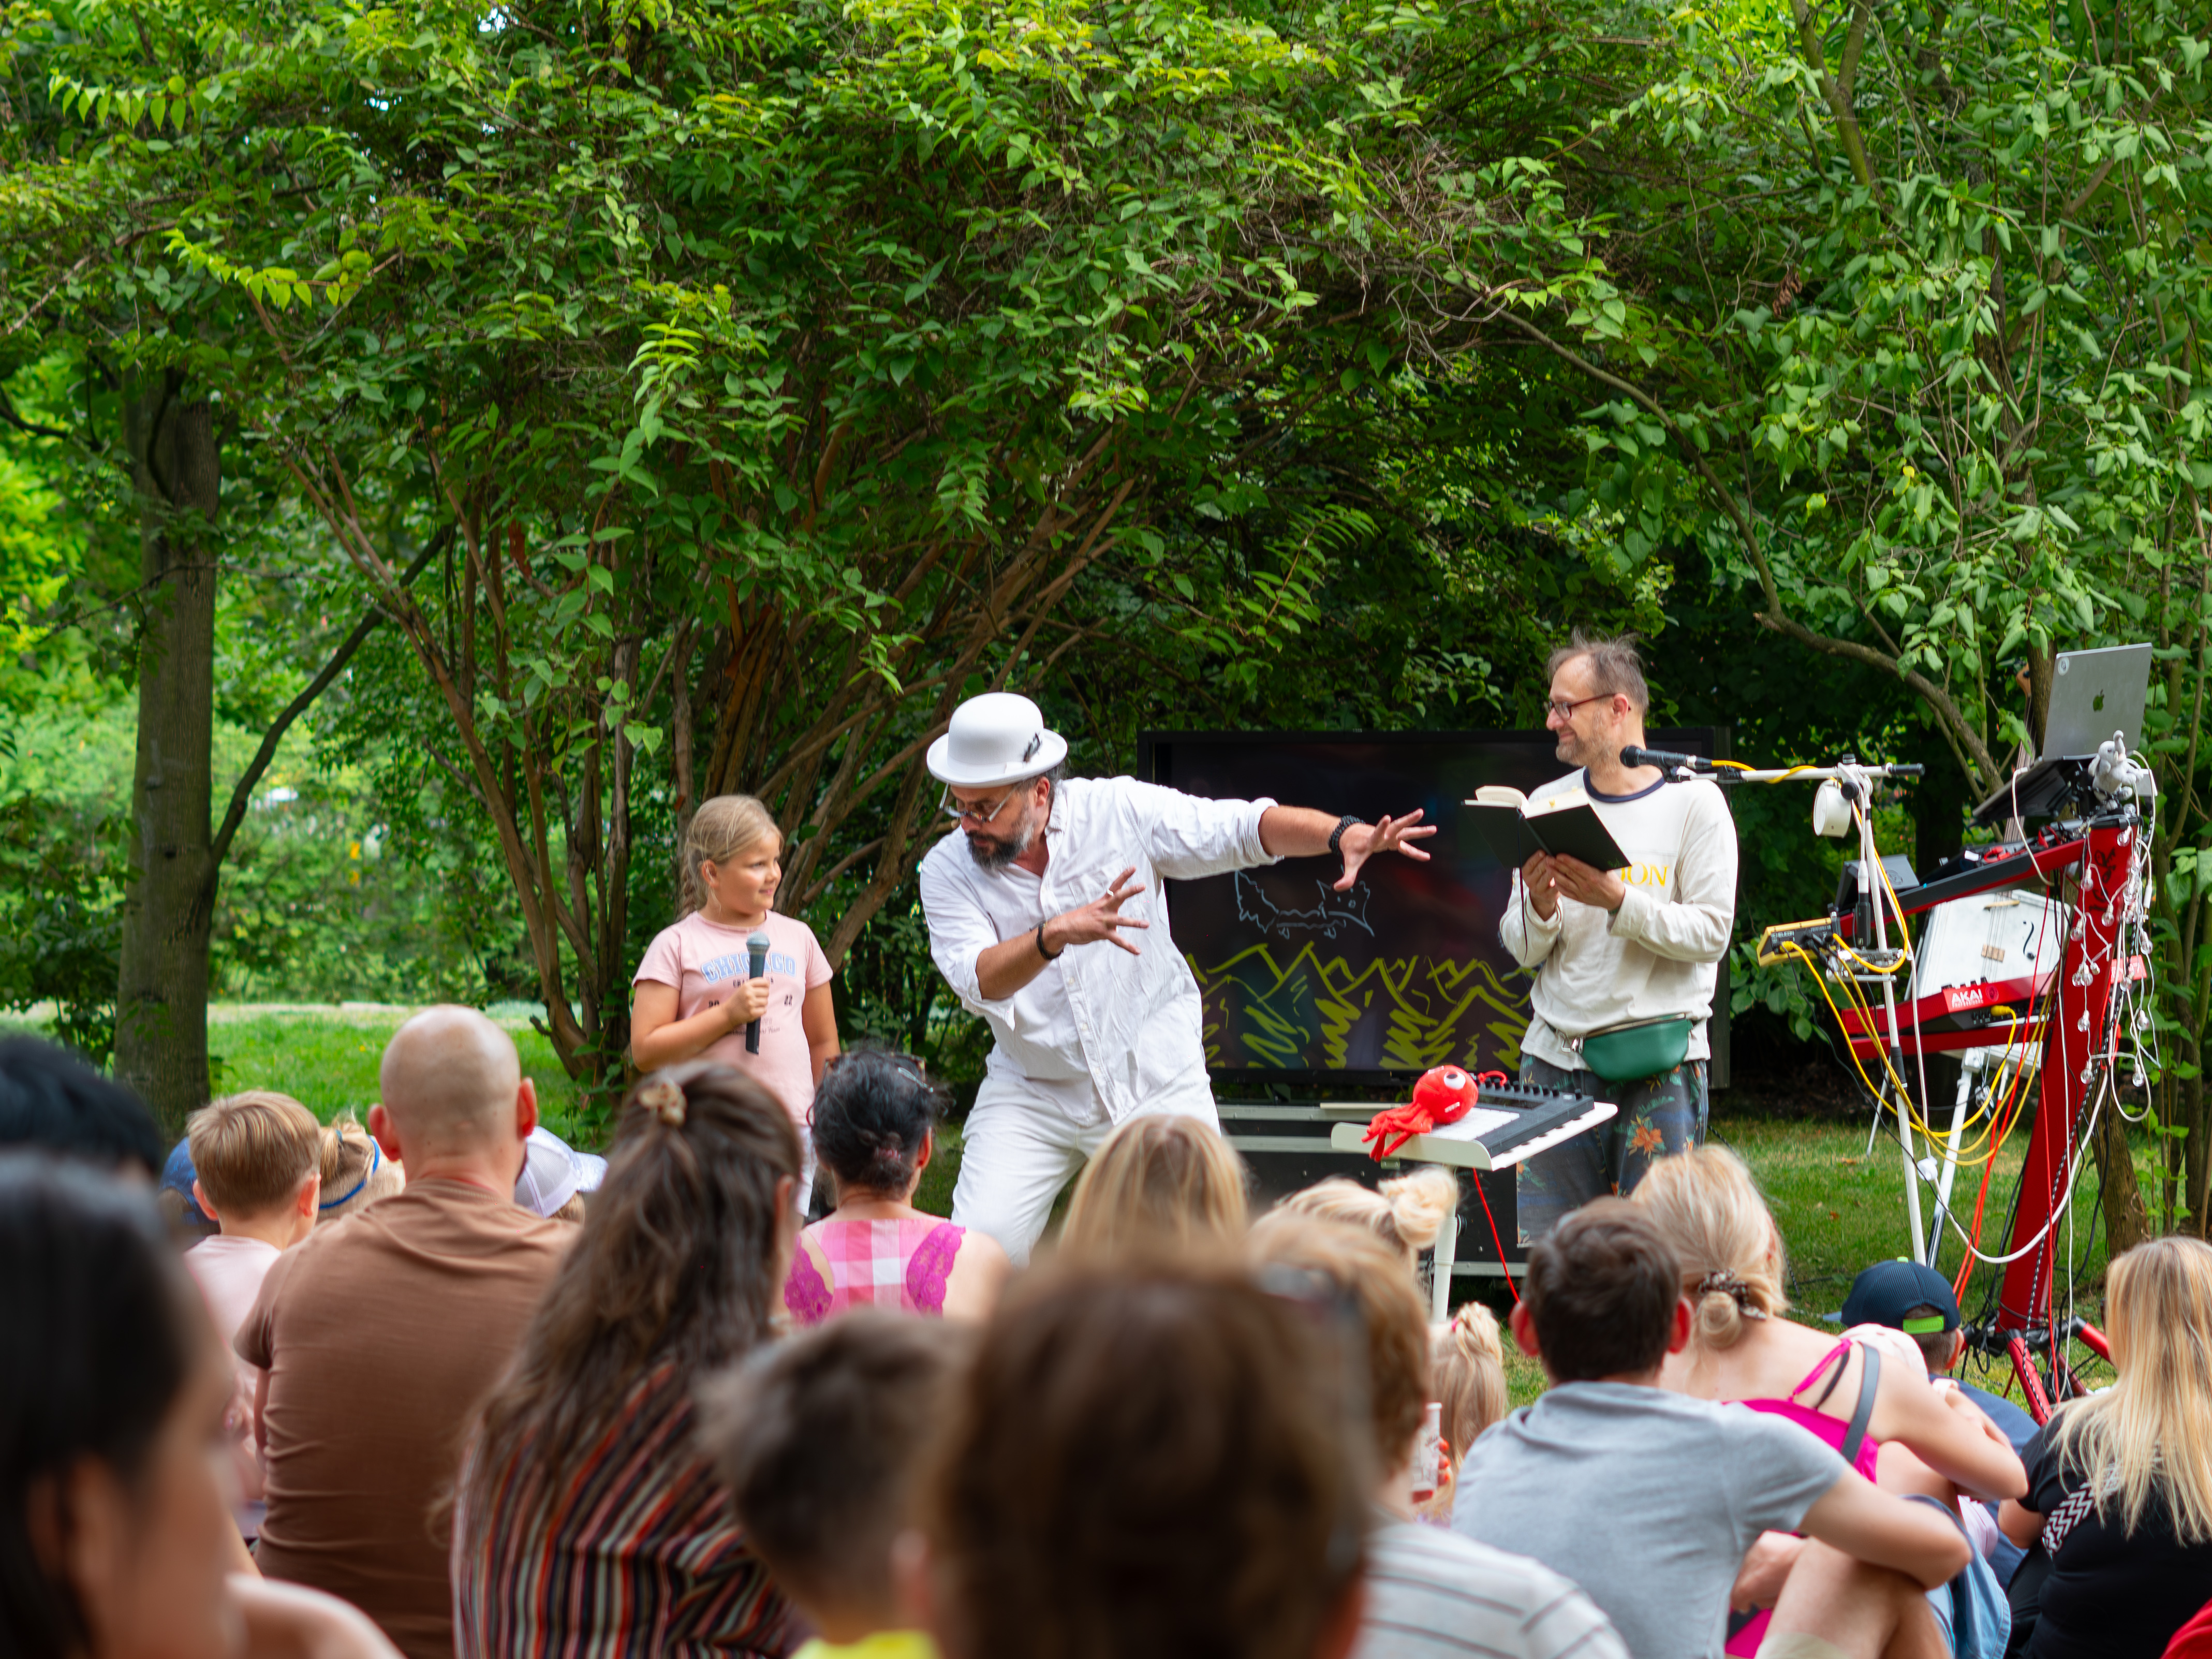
(1301, 1013)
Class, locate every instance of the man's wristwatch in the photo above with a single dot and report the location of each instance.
(1049, 955)
(1343, 823)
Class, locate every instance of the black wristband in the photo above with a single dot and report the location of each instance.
(1342, 825)
(1049, 955)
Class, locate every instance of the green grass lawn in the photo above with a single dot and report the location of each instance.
(1838, 1208)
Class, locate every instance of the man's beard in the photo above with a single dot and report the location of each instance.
(992, 854)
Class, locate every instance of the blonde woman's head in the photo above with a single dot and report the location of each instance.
(722, 828)
(1708, 1208)
(1407, 1213)
(1160, 1183)
(2149, 1436)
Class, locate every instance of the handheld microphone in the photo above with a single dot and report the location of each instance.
(756, 965)
(1633, 758)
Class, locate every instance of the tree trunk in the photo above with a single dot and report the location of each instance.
(2127, 1221)
(160, 1004)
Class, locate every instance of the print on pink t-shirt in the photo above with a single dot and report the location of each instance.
(706, 962)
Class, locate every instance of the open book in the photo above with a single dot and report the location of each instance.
(1564, 823)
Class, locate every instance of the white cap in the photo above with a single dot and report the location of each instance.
(997, 738)
(553, 1172)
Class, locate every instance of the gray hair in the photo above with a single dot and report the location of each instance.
(1616, 667)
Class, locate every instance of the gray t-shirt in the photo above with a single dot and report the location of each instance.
(1646, 1500)
(1430, 1596)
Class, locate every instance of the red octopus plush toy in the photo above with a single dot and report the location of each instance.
(1443, 1096)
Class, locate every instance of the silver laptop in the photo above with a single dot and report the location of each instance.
(2094, 693)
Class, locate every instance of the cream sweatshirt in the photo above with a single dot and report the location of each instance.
(1655, 956)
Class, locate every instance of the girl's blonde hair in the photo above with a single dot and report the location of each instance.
(355, 1172)
(2150, 1434)
(1707, 1204)
(1469, 1366)
(1407, 1213)
(1162, 1183)
(721, 830)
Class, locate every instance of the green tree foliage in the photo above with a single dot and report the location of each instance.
(1903, 322)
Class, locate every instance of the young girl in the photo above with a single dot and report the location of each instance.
(875, 1126)
(694, 993)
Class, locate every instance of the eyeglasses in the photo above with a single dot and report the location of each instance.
(975, 814)
(1556, 710)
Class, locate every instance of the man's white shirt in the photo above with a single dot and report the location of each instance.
(1099, 1034)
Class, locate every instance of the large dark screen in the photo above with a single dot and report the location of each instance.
(1403, 972)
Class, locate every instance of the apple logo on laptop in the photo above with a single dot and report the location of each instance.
(2098, 707)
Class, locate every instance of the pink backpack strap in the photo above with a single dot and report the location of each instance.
(930, 1268)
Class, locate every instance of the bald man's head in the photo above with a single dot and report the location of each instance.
(451, 1081)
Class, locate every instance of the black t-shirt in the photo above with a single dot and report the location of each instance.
(2107, 1594)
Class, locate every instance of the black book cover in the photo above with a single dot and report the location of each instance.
(1576, 832)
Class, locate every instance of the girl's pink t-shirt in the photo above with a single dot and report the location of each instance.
(705, 963)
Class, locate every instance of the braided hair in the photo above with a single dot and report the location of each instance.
(871, 1113)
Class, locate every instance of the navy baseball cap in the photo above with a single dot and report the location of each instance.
(1884, 1293)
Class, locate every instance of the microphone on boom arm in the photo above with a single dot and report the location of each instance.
(1665, 759)
(756, 965)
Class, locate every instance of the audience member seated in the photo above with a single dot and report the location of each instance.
(1143, 1463)
(50, 1101)
(874, 1128)
(1430, 1594)
(1918, 1303)
(382, 1336)
(556, 1179)
(1469, 1362)
(818, 1439)
(1708, 1209)
(1650, 1500)
(116, 1539)
(586, 1521)
(1161, 1183)
(257, 1173)
(1906, 1296)
(173, 1195)
(2117, 1519)
(356, 1171)
(1407, 1213)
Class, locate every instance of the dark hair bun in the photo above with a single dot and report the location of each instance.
(870, 1115)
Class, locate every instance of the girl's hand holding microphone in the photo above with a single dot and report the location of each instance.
(747, 1003)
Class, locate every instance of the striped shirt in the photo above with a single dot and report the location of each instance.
(639, 1553)
(1431, 1595)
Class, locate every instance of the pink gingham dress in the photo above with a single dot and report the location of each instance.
(884, 1264)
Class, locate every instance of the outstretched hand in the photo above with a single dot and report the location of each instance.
(1362, 842)
(1101, 918)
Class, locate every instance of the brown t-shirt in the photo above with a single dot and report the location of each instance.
(381, 1337)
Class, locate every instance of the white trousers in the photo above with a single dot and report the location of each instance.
(1016, 1154)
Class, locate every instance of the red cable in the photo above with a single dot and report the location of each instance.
(1494, 1239)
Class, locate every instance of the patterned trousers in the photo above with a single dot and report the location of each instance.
(1658, 1115)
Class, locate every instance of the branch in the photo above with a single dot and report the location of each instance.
(1774, 616)
(242, 797)
(8, 414)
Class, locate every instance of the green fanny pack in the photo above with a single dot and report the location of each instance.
(1641, 1048)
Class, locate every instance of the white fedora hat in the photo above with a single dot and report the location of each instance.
(997, 738)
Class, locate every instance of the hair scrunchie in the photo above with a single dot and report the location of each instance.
(663, 1100)
(1721, 1282)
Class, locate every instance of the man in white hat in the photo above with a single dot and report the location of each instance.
(1031, 923)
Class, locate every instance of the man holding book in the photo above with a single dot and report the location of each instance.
(1624, 958)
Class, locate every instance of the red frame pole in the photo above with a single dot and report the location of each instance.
(2072, 1045)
